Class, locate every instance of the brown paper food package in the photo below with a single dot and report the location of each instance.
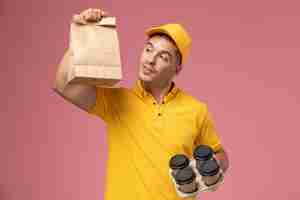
(96, 54)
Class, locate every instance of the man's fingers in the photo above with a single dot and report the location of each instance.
(99, 14)
(98, 11)
(78, 19)
(90, 15)
(85, 12)
(104, 13)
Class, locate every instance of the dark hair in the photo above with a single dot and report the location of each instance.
(177, 52)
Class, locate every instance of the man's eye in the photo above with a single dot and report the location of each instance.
(148, 49)
(165, 58)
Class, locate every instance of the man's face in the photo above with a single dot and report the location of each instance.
(158, 62)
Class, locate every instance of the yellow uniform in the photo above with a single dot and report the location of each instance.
(143, 135)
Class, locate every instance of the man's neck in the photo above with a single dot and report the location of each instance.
(158, 91)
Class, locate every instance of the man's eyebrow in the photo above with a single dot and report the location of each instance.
(149, 43)
(162, 51)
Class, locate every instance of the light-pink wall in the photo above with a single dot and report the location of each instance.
(244, 62)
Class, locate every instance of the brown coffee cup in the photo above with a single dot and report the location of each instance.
(186, 180)
(178, 162)
(210, 172)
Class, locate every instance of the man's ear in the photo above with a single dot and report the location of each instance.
(178, 69)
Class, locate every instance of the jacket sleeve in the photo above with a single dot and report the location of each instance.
(207, 134)
(103, 107)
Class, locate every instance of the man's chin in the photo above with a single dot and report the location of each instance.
(145, 78)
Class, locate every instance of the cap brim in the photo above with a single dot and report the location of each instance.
(154, 30)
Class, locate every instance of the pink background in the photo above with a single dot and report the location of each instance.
(244, 63)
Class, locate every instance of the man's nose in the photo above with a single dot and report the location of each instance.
(151, 59)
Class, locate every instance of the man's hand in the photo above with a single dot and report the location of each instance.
(222, 159)
(89, 15)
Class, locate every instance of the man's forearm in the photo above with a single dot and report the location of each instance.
(61, 74)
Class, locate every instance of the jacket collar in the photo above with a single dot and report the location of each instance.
(140, 91)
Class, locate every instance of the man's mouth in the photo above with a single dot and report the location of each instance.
(147, 69)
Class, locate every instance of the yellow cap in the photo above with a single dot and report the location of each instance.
(178, 34)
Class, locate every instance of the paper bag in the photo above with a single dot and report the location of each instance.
(96, 54)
